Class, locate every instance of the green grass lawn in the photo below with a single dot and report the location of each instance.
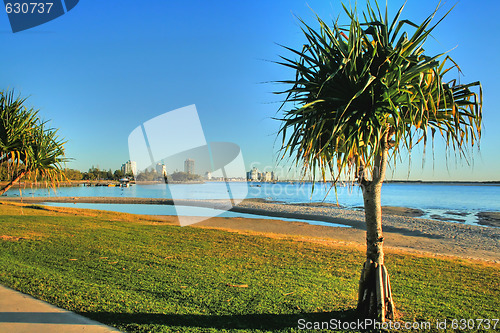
(142, 276)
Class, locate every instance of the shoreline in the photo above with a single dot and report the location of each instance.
(484, 218)
(73, 182)
(402, 231)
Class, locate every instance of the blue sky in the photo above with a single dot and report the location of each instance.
(106, 67)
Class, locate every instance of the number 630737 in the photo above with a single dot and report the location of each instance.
(29, 8)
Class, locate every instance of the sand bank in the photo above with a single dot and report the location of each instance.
(401, 229)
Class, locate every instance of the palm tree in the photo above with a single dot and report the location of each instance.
(362, 95)
(28, 149)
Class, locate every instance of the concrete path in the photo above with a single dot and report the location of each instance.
(20, 313)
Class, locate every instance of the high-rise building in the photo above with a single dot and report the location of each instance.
(266, 176)
(129, 167)
(161, 169)
(253, 174)
(189, 166)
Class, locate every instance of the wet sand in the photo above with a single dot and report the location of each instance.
(402, 231)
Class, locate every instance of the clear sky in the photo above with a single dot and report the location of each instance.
(106, 67)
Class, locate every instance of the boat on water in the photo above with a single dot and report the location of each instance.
(124, 182)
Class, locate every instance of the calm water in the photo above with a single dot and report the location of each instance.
(432, 198)
(423, 196)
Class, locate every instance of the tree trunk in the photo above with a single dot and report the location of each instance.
(9, 184)
(375, 298)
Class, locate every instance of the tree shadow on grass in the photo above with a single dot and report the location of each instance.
(247, 321)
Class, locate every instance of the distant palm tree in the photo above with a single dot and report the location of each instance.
(28, 149)
(361, 95)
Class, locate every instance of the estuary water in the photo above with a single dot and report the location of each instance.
(462, 200)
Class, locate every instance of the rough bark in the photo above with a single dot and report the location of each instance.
(375, 296)
(9, 184)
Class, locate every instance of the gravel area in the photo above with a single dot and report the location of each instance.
(471, 238)
(391, 222)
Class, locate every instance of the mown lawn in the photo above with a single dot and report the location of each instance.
(142, 276)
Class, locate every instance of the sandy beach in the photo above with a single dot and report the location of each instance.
(402, 230)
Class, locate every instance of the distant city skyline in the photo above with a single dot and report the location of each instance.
(103, 69)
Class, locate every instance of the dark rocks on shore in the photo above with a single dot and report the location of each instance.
(446, 219)
(489, 218)
(402, 211)
(456, 213)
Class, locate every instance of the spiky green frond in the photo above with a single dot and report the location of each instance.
(27, 146)
(359, 85)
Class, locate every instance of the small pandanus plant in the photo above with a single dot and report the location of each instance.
(362, 95)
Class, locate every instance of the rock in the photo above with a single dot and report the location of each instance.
(443, 218)
(402, 211)
(489, 218)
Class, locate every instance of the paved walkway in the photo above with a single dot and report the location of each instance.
(20, 313)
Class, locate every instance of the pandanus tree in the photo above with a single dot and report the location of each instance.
(28, 148)
(363, 94)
